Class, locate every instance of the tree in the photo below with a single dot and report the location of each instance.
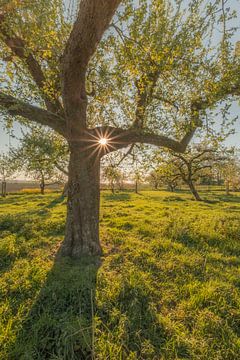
(166, 174)
(137, 176)
(112, 175)
(189, 167)
(154, 179)
(157, 76)
(113, 170)
(42, 155)
(7, 169)
(230, 170)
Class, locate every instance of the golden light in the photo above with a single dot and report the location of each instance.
(103, 141)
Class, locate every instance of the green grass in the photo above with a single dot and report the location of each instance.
(167, 287)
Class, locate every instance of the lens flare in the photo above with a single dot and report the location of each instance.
(103, 141)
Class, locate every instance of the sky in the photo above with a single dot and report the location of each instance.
(233, 140)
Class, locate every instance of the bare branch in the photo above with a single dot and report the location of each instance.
(126, 154)
(17, 107)
(60, 168)
(167, 101)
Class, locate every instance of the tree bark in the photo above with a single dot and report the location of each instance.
(194, 191)
(65, 190)
(82, 226)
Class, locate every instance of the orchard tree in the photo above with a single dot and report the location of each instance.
(7, 169)
(191, 166)
(113, 170)
(230, 170)
(149, 79)
(165, 174)
(112, 175)
(42, 155)
(138, 177)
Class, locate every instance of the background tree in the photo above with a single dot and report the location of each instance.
(166, 174)
(7, 169)
(43, 156)
(112, 175)
(150, 80)
(189, 166)
(230, 170)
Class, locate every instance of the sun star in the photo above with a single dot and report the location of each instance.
(103, 141)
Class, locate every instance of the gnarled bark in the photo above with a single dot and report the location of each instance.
(82, 226)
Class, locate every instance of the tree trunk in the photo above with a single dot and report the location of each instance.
(170, 187)
(42, 187)
(112, 187)
(65, 190)
(82, 226)
(136, 187)
(4, 188)
(194, 191)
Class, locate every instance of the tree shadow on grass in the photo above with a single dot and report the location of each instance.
(229, 198)
(60, 324)
(208, 243)
(55, 202)
(117, 197)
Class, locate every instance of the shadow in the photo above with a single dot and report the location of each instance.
(173, 198)
(20, 231)
(208, 201)
(229, 198)
(133, 320)
(55, 202)
(206, 242)
(60, 324)
(117, 197)
(9, 199)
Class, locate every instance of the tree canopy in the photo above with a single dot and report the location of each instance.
(120, 73)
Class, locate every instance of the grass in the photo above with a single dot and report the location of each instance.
(168, 286)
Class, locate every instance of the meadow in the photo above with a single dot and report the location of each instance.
(167, 287)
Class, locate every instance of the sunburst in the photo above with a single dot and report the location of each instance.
(103, 141)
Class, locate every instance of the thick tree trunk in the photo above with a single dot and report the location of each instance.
(82, 226)
(194, 191)
(4, 188)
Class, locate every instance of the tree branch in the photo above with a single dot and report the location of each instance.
(126, 154)
(17, 107)
(120, 138)
(60, 168)
(20, 49)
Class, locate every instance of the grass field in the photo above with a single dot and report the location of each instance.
(167, 287)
